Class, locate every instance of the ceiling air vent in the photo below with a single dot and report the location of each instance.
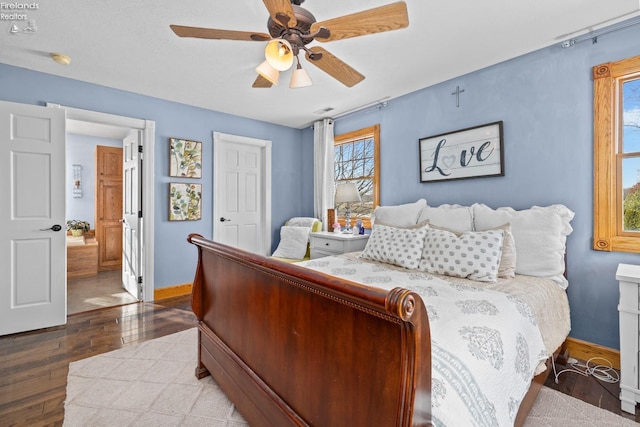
(324, 111)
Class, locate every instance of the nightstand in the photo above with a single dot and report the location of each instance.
(324, 243)
(629, 278)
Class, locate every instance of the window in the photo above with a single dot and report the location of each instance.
(617, 156)
(357, 159)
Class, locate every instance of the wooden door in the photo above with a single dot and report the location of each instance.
(32, 218)
(108, 211)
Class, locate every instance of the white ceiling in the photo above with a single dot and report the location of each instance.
(128, 45)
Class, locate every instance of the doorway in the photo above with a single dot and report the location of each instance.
(102, 125)
(94, 259)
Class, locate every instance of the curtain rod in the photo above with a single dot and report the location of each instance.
(594, 34)
(379, 104)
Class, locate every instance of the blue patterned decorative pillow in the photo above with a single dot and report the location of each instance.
(473, 255)
(397, 246)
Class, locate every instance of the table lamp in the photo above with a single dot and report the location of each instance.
(347, 193)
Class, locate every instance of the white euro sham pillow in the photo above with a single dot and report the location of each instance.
(540, 235)
(453, 217)
(399, 215)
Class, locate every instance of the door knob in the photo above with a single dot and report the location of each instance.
(53, 227)
(223, 219)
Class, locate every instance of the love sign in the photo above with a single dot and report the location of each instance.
(466, 153)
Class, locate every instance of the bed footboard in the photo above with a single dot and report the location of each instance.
(291, 346)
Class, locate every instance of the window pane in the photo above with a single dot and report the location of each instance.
(369, 165)
(631, 194)
(358, 149)
(338, 166)
(347, 151)
(369, 148)
(631, 116)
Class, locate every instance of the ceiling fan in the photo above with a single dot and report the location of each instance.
(291, 28)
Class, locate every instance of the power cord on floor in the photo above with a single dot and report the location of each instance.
(605, 373)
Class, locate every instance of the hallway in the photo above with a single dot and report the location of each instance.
(103, 290)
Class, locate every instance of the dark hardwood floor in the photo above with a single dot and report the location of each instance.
(588, 389)
(34, 365)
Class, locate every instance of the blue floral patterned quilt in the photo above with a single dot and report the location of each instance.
(486, 344)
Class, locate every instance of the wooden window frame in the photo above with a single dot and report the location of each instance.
(608, 234)
(345, 138)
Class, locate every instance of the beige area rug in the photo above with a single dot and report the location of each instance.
(153, 384)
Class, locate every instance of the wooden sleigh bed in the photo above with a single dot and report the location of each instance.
(291, 346)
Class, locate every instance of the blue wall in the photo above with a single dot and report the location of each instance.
(544, 99)
(546, 102)
(175, 259)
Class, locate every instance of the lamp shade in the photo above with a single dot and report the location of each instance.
(300, 78)
(279, 54)
(268, 72)
(347, 193)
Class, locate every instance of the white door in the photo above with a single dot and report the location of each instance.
(131, 220)
(33, 259)
(242, 196)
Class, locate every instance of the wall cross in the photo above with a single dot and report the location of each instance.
(457, 93)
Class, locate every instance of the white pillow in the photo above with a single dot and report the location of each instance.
(540, 235)
(509, 257)
(397, 246)
(473, 255)
(453, 217)
(399, 215)
(293, 242)
(302, 221)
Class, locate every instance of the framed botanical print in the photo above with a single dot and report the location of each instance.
(185, 158)
(185, 201)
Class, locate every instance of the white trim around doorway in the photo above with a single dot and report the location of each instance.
(110, 122)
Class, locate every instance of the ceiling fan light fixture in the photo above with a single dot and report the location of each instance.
(300, 78)
(279, 54)
(268, 72)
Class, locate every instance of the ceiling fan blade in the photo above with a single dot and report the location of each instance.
(282, 12)
(385, 18)
(212, 33)
(333, 66)
(261, 82)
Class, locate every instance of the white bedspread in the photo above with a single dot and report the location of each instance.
(486, 344)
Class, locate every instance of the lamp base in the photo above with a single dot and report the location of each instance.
(347, 219)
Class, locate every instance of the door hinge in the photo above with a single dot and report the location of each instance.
(139, 148)
(140, 214)
(139, 279)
